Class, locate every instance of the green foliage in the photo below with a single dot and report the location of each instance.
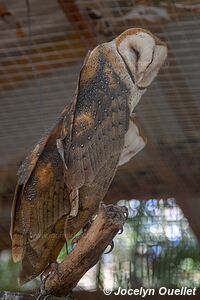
(157, 248)
(67, 248)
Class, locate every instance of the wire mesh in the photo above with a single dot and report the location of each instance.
(38, 71)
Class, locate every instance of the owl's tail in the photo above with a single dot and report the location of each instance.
(18, 244)
(18, 238)
(39, 255)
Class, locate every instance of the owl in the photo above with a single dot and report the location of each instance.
(66, 176)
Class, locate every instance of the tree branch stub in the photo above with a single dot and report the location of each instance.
(88, 250)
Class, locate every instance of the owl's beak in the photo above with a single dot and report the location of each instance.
(139, 77)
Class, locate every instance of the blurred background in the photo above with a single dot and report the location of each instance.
(43, 44)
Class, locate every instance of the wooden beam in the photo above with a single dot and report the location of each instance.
(79, 22)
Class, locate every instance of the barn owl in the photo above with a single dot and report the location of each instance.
(66, 176)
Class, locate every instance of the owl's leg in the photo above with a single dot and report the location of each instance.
(85, 229)
(89, 219)
(81, 221)
(74, 225)
(87, 226)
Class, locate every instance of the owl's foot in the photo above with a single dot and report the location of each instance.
(111, 247)
(87, 226)
(43, 297)
(51, 297)
(42, 293)
(125, 211)
(112, 244)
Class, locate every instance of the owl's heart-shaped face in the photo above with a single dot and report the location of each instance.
(142, 53)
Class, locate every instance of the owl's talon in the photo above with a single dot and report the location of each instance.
(42, 294)
(43, 277)
(121, 231)
(43, 297)
(111, 247)
(125, 212)
(77, 238)
(87, 226)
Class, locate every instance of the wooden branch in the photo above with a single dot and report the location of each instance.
(16, 296)
(87, 252)
(5, 295)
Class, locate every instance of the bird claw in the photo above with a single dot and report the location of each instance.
(77, 238)
(111, 247)
(87, 226)
(121, 231)
(43, 297)
(51, 297)
(42, 293)
(125, 211)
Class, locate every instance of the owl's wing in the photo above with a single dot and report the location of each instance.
(27, 167)
(99, 126)
(41, 200)
(36, 178)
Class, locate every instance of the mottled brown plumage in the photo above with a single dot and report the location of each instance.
(62, 182)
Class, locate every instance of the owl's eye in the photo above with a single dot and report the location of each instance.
(136, 53)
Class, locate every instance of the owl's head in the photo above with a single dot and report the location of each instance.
(143, 54)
